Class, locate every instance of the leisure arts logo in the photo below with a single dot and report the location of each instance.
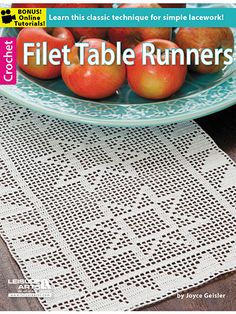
(23, 288)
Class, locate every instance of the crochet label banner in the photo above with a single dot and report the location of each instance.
(114, 219)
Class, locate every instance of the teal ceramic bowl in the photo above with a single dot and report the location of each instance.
(201, 95)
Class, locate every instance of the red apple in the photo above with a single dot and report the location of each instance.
(76, 5)
(92, 81)
(85, 32)
(88, 32)
(55, 5)
(201, 38)
(55, 38)
(62, 5)
(78, 32)
(106, 5)
(173, 5)
(130, 37)
(32, 5)
(155, 81)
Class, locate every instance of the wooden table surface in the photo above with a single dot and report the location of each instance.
(222, 128)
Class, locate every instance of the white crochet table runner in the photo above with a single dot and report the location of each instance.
(114, 218)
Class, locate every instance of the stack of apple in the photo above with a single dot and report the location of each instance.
(100, 81)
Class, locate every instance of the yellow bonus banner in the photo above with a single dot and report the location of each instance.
(23, 17)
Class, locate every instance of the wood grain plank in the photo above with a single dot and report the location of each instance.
(9, 269)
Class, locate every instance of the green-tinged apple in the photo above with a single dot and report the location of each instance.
(155, 81)
(131, 37)
(202, 38)
(54, 37)
(93, 81)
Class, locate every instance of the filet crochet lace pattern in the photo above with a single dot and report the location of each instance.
(114, 218)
